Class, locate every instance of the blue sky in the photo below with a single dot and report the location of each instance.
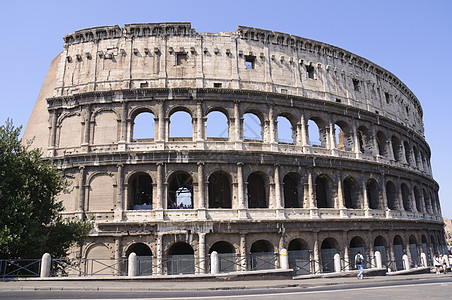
(412, 39)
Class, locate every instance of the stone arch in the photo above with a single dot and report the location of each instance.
(100, 192)
(365, 140)
(285, 130)
(357, 244)
(417, 198)
(105, 127)
(143, 125)
(253, 126)
(226, 256)
(219, 185)
(257, 191)
(328, 249)
(382, 144)
(181, 259)
(317, 133)
(140, 191)
(380, 245)
(416, 157)
(180, 190)
(140, 249)
(406, 197)
(70, 131)
(262, 255)
(351, 193)
(427, 201)
(293, 193)
(407, 151)
(396, 149)
(412, 242)
(180, 124)
(398, 252)
(299, 257)
(323, 191)
(391, 195)
(217, 124)
(343, 136)
(373, 194)
(95, 252)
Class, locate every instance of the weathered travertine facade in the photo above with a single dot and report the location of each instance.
(366, 184)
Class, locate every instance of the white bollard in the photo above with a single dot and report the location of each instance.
(133, 265)
(406, 262)
(424, 259)
(337, 262)
(378, 262)
(284, 259)
(214, 263)
(46, 263)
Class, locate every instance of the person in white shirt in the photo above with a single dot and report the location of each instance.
(359, 262)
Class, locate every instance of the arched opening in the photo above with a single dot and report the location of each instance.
(144, 254)
(257, 197)
(433, 202)
(416, 157)
(327, 251)
(226, 256)
(252, 127)
(219, 190)
(373, 194)
(323, 193)
(285, 131)
(262, 256)
(217, 126)
(380, 246)
(427, 201)
(343, 136)
(407, 151)
(391, 195)
(364, 140)
(351, 193)
(180, 191)
(425, 249)
(292, 192)
(398, 252)
(406, 197)
(417, 198)
(434, 245)
(144, 127)
(140, 187)
(299, 257)
(382, 147)
(414, 252)
(357, 244)
(180, 126)
(316, 133)
(396, 149)
(181, 259)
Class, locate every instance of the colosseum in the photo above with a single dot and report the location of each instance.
(288, 143)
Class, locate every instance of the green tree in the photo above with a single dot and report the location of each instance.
(30, 223)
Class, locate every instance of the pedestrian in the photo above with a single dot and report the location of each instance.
(359, 263)
(436, 263)
(444, 261)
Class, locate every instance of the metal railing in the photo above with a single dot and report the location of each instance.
(10, 268)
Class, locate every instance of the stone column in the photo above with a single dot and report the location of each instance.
(52, 132)
(347, 257)
(243, 255)
(331, 136)
(356, 147)
(383, 192)
(399, 196)
(159, 254)
(238, 139)
(365, 196)
(161, 121)
(240, 185)
(278, 193)
(158, 203)
(82, 180)
(119, 202)
(200, 121)
(316, 254)
(117, 253)
(123, 129)
(311, 199)
(201, 205)
(202, 253)
(304, 128)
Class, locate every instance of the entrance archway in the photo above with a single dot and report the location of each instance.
(226, 256)
(299, 257)
(327, 251)
(144, 254)
(181, 259)
(262, 256)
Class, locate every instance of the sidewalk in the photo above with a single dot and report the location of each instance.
(144, 284)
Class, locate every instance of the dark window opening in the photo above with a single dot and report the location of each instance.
(373, 194)
(217, 84)
(139, 249)
(180, 191)
(291, 194)
(406, 197)
(181, 59)
(351, 197)
(391, 195)
(338, 100)
(256, 192)
(141, 191)
(356, 85)
(387, 97)
(250, 61)
(323, 192)
(219, 191)
(262, 256)
(407, 110)
(310, 72)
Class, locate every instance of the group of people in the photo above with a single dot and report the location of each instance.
(441, 261)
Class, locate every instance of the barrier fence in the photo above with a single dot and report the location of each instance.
(299, 261)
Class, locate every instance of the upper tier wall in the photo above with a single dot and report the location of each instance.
(174, 55)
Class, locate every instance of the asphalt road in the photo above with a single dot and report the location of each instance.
(433, 288)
